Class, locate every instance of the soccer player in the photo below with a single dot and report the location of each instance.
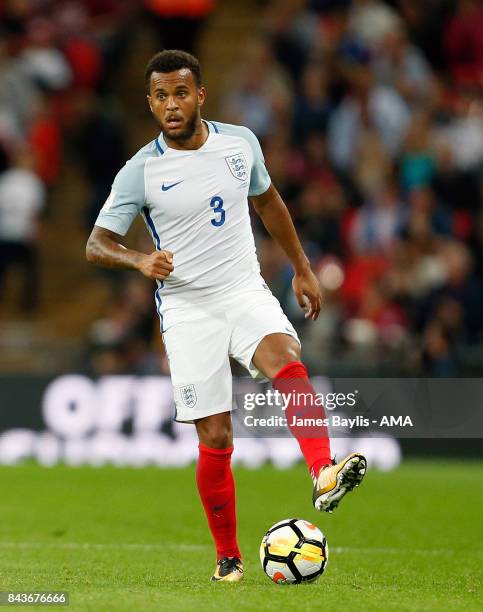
(191, 186)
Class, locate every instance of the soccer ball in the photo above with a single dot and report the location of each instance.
(294, 551)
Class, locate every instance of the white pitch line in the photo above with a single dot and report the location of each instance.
(388, 550)
(94, 546)
(199, 547)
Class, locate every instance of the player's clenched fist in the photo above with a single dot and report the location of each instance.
(157, 266)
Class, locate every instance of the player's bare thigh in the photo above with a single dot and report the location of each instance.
(215, 431)
(274, 352)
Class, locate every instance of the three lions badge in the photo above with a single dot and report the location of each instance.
(238, 166)
(188, 396)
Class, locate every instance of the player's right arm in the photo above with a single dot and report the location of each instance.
(105, 249)
(126, 200)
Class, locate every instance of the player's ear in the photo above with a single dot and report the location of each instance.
(201, 96)
(149, 102)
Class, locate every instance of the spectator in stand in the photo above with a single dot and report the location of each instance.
(44, 63)
(376, 225)
(455, 188)
(463, 43)
(459, 285)
(366, 107)
(97, 39)
(373, 168)
(78, 45)
(426, 217)
(287, 167)
(45, 139)
(275, 267)
(179, 24)
(22, 197)
(463, 132)
(97, 121)
(320, 208)
(312, 106)
(260, 94)
(121, 341)
(370, 21)
(17, 96)
(293, 31)
(3, 158)
(417, 166)
(437, 356)
(400, 65)
(379, 310)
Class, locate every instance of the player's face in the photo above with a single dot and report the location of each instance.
(175, 101)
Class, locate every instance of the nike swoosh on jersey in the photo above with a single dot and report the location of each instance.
(166, 187)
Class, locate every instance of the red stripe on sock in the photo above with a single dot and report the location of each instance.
(217, 491)
(314, 441)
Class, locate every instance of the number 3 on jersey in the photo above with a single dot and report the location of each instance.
(217, 206)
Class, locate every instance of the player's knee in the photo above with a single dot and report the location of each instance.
(216, 435)
(217, 439)
(290, 354)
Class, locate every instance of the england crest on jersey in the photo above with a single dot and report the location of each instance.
(188, 395)
(238, 166)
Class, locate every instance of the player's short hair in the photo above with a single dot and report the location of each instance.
(170, 60)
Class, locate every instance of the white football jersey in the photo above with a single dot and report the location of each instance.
(194, 204)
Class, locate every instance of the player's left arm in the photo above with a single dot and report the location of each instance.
(276, 218)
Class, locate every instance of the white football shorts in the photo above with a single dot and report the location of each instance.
(200, 339)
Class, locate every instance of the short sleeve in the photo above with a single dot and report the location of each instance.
(259, 178)
(126, 198)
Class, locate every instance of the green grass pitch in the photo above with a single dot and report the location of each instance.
(127, 539)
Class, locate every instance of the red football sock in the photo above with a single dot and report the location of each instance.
(217, 492)
(314, 441)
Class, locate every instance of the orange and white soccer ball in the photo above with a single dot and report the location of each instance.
(294, 551)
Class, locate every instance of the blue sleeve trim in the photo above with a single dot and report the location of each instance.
(158, 146)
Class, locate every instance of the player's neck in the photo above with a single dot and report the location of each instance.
(196, 141)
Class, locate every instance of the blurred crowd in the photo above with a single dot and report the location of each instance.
(370, 115)
(371, 119)
(58, 61)
(60, 66)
